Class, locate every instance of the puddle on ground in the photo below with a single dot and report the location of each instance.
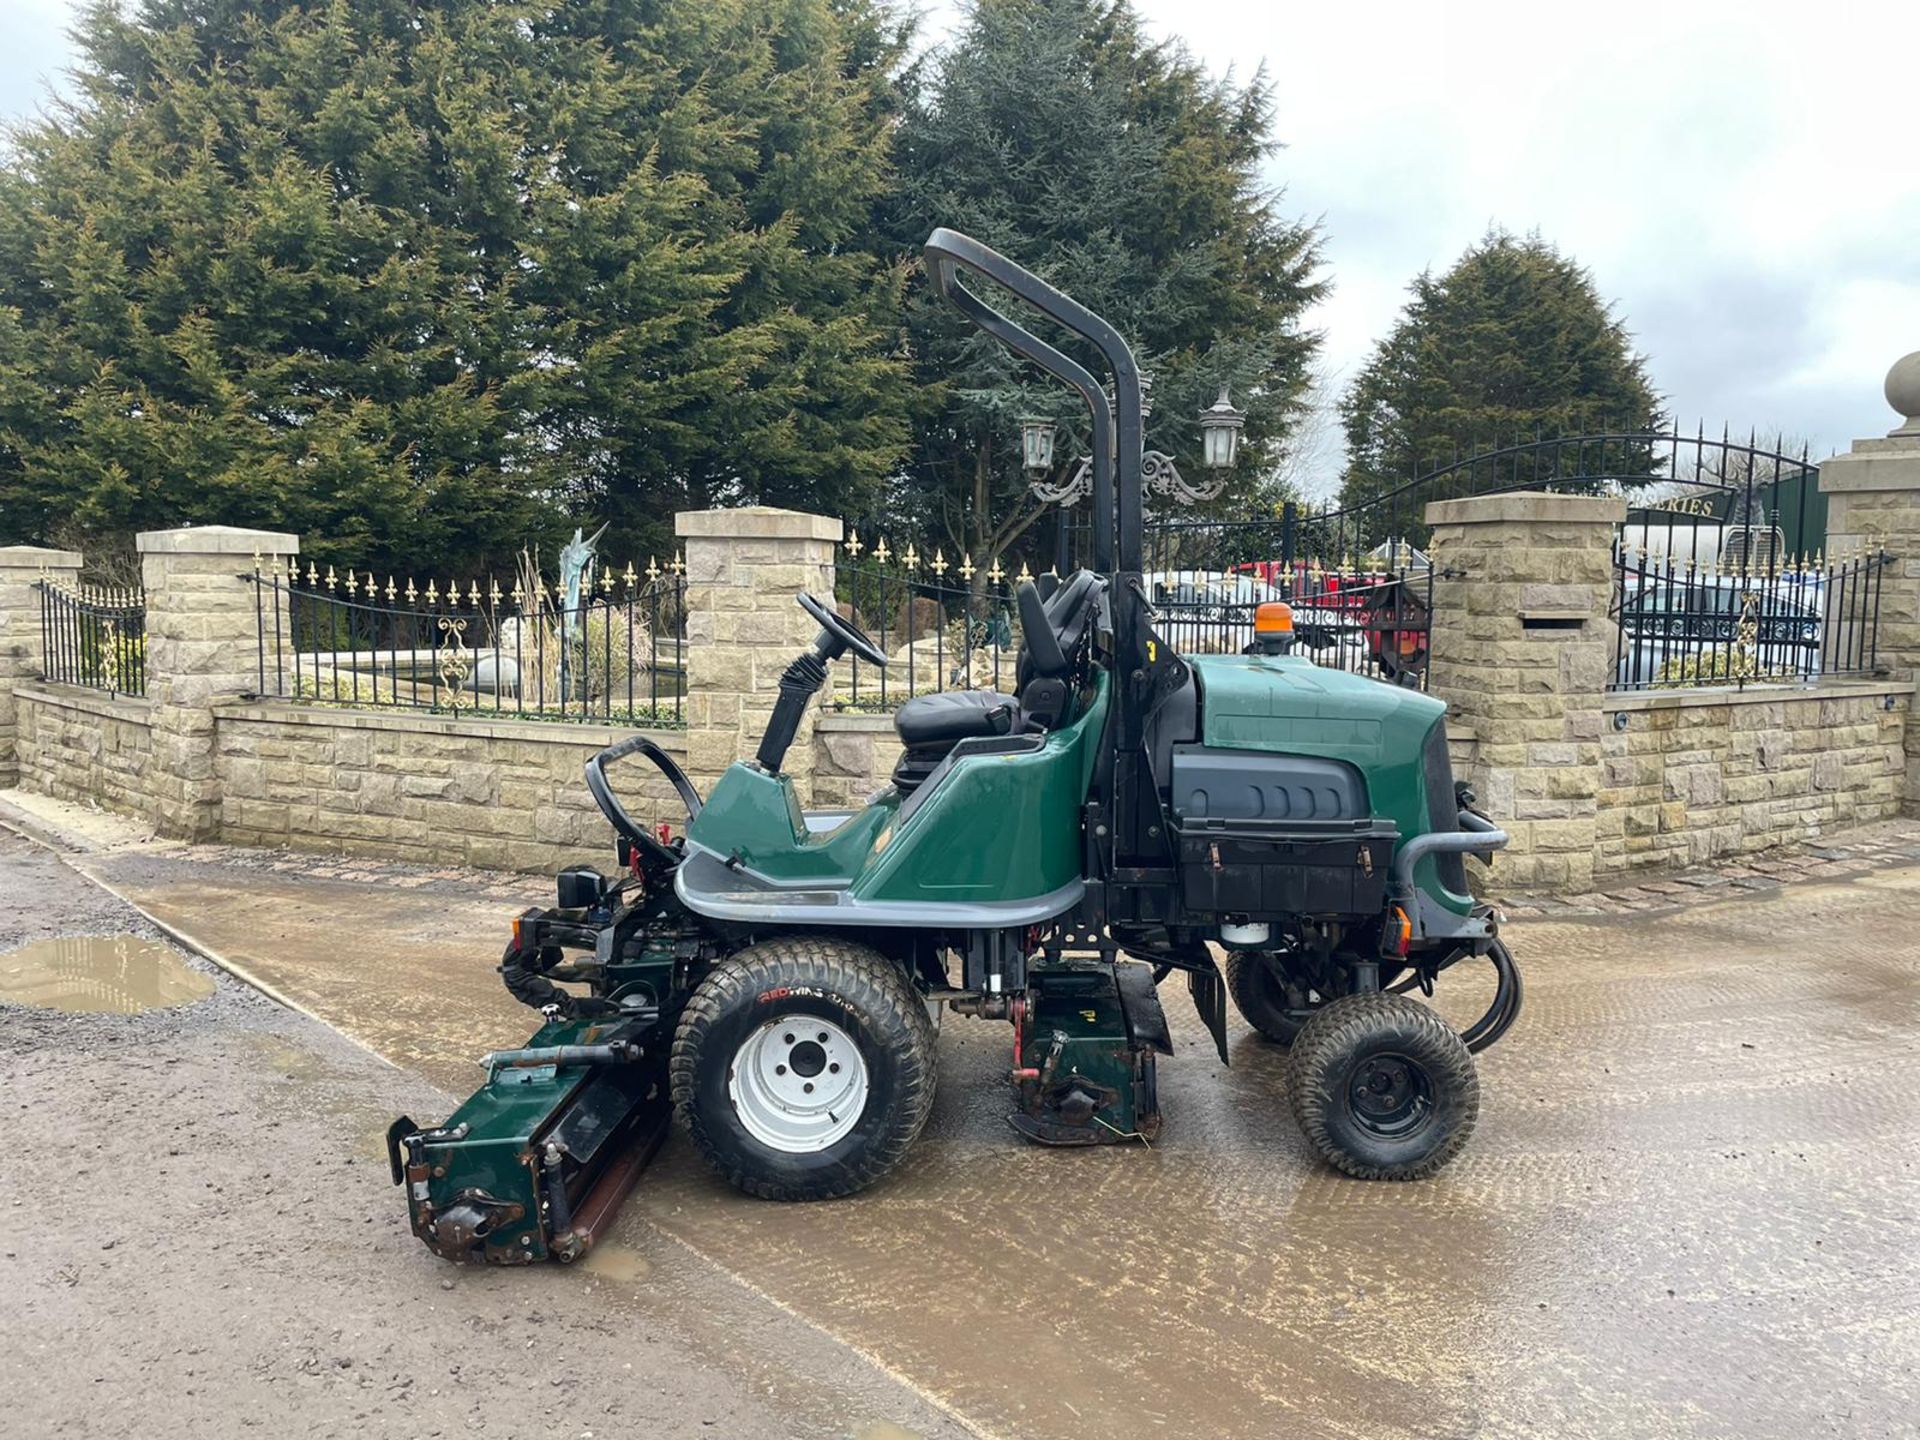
(290, 1061)
(103, 974)
(616, 1262)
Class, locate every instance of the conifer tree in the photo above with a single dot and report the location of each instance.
(421, 279)
(1120, 170)
(1513, 341)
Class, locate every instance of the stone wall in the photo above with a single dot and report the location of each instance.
(1519, 650)
(1695, 775)
(1592, 785)
(21, 568)
(1874, 506)
(853, 756)
(745, 570)
(204, 644)
(1520, 647)
(492, 794)
(85, 746)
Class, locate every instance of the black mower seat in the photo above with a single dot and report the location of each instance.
(954, 715)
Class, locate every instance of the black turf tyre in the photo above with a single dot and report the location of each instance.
(1383, 1087)
(866, 1001)
(1259, 990)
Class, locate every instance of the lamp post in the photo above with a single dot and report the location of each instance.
(1221, 425)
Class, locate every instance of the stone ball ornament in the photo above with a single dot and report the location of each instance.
(1903, 393)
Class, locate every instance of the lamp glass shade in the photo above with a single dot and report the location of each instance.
(1036, 444)
(1220, 427)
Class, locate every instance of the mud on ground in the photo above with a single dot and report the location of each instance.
(200, 1241)
(1689, 1208)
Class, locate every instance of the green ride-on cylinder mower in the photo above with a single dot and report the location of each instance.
(1047, 857)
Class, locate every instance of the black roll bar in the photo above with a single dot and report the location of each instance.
(1116, 432)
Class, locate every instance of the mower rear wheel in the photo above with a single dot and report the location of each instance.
(804, 1067)
(1383, 1087)
(1266, 995)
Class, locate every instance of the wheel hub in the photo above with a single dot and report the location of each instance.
(798, 1084)
(1391, 1095)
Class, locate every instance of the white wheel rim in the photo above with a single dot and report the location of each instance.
(798, 1084)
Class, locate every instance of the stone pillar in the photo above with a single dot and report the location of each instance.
(1520, 648)
(21, 657)
(203, 649)
(1873, 502)
(744, 568)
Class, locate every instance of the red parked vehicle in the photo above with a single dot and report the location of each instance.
(1377, 616)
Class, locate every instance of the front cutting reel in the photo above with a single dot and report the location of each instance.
(534, 1165)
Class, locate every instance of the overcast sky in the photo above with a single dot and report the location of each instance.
(1742, 179)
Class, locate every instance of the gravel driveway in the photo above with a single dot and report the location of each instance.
(201, 1240)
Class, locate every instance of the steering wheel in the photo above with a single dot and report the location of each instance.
(624, 824)
(847, 635)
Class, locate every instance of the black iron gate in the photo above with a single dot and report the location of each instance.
(1360, 583)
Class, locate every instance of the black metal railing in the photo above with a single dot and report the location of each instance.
(943, 625)
(1358, 577)
(94, 636)
(616, 655)
(1359, 605)
(1697, 605)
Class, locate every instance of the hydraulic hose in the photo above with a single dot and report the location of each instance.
(1506, 1001)
(1507, 996)
(522, 971)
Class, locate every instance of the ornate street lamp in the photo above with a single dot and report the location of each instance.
(1220, 427)
(1036, 444)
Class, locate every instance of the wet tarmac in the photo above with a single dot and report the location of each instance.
(1692, 1206)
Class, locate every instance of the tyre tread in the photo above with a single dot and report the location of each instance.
(860, 973)
(1243, 977)
(1344, 1023)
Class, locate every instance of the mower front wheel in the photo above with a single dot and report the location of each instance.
(1268, 997)
(804, 1067)
(1383, 1088)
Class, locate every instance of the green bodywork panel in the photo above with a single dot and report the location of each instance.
(1289, 704)
(1000, 827)
(757, 817)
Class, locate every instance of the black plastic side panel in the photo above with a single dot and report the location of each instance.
(1209, 993)
(1140, 1003)
(1266, 873)
(1212, 783)
(1176, 723)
